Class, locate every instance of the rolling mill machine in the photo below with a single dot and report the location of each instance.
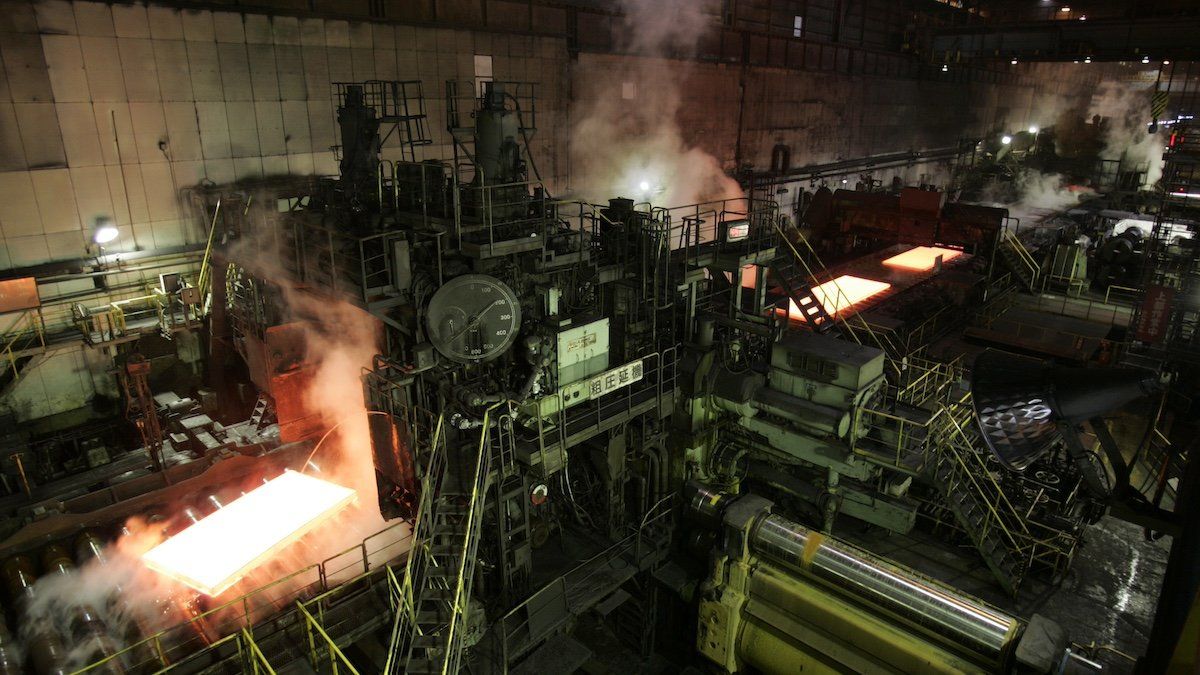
(574, 410)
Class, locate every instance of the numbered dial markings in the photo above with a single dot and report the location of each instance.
(474, 317)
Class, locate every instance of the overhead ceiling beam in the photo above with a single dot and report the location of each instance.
(1111, 40)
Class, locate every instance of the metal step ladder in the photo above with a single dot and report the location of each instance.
(21, 346)
(262, 414)
(978, 502)
(799, 291)
(801, 279)
(1019, 260)
(432, 624)
(513, 499)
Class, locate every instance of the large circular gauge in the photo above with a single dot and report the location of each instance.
(473, 318)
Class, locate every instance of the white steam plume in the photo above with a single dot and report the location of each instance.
(1033, 194)
(626, 140)
(134, 601)
(1126, 104)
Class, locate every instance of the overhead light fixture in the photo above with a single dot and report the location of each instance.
(1083, 18)
(1145, 59)
(1166, 63)
(1064, 9)
(104, 231)
(1013, 62)
(1088, 60)
(1033, 129)
(1006, 139)
(644, 186)
(945, 67)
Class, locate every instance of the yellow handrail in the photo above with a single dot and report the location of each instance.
(837, 314)
(318, 569)
(258, 662)
(20, 338)
(407, 601)
(997, 497)
(336, 657)
(1023, 253)
(1129, 289)
(459, 606)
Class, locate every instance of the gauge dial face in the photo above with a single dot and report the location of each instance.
(473, 318)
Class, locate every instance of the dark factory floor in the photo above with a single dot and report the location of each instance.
(1107, 599)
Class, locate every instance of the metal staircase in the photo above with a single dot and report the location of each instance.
(800, 292)
(1018, 259)
(798, 278)
(432, 624)
(977, 500)
(23, 341)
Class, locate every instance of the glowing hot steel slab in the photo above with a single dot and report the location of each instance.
(213, 554)
(921, 258)
(840, 293)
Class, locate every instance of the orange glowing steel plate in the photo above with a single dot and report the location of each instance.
(921, 258)
(213, 554)
(841, 293)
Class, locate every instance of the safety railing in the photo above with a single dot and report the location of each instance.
(703, 227)
(922, 380)
(465, 577)
(898, 442)
(905, 442)
(155, 310)
(998, 517)
(1127, 292)
(657, 383)
(1079, 308)
(514, 628)
(1014, 244)
(319, 640)
(25, 333)
(423, 188)
(507, 213)
(843, 312)
(252, 655)
(1162, 466)
(198, 638)
(407, 592)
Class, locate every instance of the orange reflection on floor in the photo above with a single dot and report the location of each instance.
(921, 258)
(211, 555)
(840, 293)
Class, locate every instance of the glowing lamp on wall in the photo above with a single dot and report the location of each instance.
(105, 231)
(921, 258)
(214, 553)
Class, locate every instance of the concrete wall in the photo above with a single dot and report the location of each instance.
(114, 110)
